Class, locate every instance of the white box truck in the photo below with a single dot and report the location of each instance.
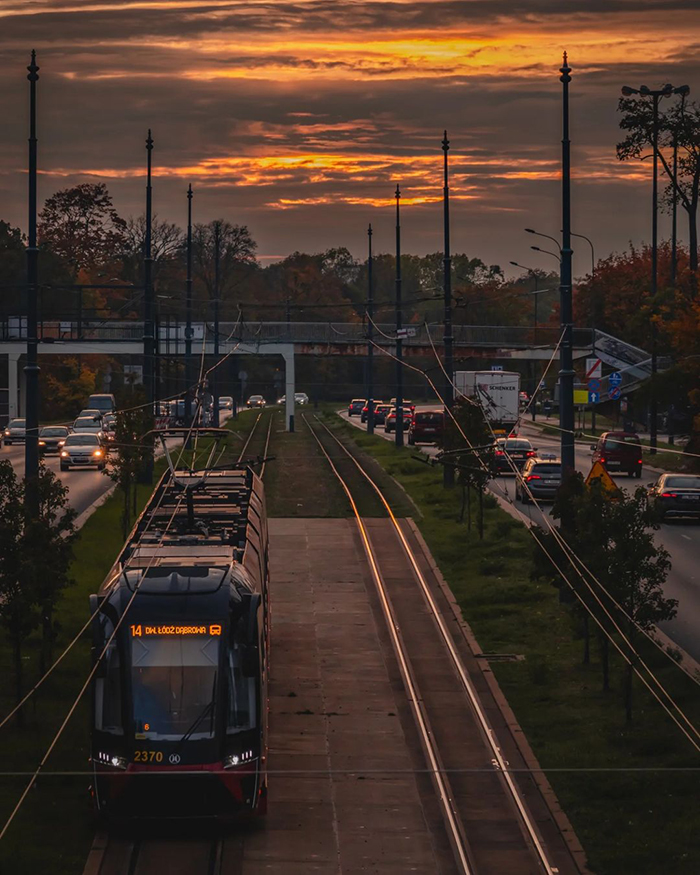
(498, 392)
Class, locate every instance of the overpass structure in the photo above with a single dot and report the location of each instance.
(288, 339)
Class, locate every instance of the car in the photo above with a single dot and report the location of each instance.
(225, 402)
(390, 419)
(356, 406)
(90, 411)
(380, 413)
(676, 495)
(15, 432)
(88, 425)
(619, 451)
(542, 478)
(426, 426)
(365, 410)
(82, 450)
(301, 398)
(282, 399)
(52, 438)
(104, 403)
(406, 403)
(256, 401)
(512, 451)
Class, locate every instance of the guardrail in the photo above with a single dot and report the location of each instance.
(496, 336)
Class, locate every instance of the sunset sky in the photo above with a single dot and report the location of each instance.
(299, 118)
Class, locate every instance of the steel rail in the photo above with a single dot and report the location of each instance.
(483, 720)
(248, 439)
(415, 700)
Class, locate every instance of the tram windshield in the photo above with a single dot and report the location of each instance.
(174, 683)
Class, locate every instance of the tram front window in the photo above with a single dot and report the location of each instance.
(174, 683)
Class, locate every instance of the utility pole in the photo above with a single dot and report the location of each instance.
(448, 472)
(566, 353)
(188, 315)
(399, 324)
(370, 337)
(674, 217)
(31, 369)
(148, 334)
(217, 292)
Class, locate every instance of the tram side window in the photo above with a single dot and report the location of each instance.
(108, 687)
(241, 691)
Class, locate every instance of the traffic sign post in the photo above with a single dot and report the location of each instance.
(599, 472)
(594, 385)
(614, 393)
(615, 379)
(593, 397)
(594, 368)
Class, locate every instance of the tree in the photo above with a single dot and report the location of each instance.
(65, 387)
(82, 226)
(680, 122)
(474, 466)
(615, 539)
(167, 242)
(18, 612)
(236, 255)
(123, 466)
(47, 551)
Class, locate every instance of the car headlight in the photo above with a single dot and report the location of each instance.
(64, 453)
(7, 431)
(97, 452)
(239, 759)
(60, 443)
(42, 443)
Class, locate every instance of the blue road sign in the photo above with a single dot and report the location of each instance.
(615, 378)
(594, 385)
(614, 393)
(593, 397)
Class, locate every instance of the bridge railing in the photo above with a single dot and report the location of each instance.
(496, 336)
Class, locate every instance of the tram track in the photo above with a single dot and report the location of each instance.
(256, 438)
(139, 856)
(487, 814)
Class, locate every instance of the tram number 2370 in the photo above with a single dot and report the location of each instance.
(148, 756)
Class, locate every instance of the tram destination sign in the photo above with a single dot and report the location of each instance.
(169, 630)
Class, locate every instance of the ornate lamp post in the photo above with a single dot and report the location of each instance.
(188, 315)
(566, 354)
(149, 346)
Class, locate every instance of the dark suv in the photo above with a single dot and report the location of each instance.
(426, 426)
(619, 451)
(509, 452)
(542, 478)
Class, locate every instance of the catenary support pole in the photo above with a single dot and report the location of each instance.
(217, 293)
(399, 326)
(149, 347)
(189, 375)
(448, 472)
(370, 337)
(31, 368)
(566, 359)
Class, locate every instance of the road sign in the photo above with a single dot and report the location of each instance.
(599, 472)
(594, 385)
(594, 368)
(405, 332)
(593, 397)
(496, 367)
(615, 378)
(614, 393)
(580, 396)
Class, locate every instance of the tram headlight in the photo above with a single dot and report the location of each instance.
(110, 759)
(239, 759)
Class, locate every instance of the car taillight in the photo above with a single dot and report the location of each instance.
(639, 461)
(669, 495)
(602, 460)
(532, 477)
(531, 453)
(500, 453)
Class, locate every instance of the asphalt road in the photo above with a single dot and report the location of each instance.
(681, 538)
(85, 485)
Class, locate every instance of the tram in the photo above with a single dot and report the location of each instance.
(180, 648)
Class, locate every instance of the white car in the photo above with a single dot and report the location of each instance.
(301, 398)
(15, 431)
(82, 450)
(225, 402)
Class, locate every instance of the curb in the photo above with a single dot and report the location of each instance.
(83, 517)
(558, 815)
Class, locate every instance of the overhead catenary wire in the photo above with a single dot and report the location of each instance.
(573, 559)
(568, 582)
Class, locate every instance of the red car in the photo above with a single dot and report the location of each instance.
(390, 421)
(619, 451)
(426, 426)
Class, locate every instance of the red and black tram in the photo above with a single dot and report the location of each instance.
(179, 704)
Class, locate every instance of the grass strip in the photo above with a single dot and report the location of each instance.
(628, 822)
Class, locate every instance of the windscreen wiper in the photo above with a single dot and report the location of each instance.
(208, 708)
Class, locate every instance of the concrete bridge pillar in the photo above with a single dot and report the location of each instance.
(288, 355)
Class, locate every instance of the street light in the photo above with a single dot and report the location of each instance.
(547, 252)
(540, 234)
(656, 96)
(448, 474)
(398, 436)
